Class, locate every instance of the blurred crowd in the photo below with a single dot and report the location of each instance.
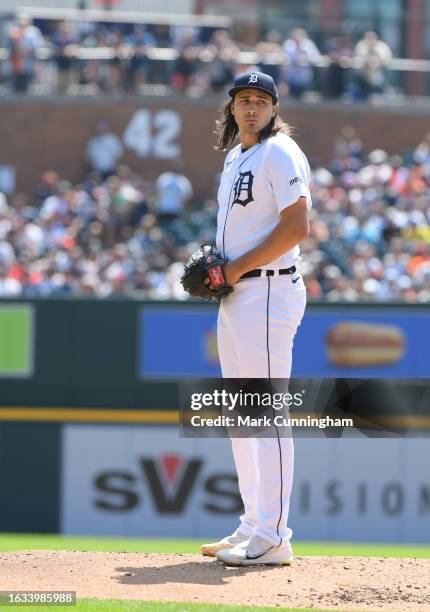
(370, 225)
(117, 234)
(198, 60)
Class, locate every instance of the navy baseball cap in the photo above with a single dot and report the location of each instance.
(255, 80)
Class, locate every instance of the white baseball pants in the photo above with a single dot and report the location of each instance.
(256, 328)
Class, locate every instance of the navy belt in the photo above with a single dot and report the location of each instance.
(258, 273)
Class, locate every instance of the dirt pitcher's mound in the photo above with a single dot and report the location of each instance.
(345, 583)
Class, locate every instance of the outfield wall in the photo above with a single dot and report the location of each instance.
(84, 386)
(128, 354)
(142, 481)
(146, 481)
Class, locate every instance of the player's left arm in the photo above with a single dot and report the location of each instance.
(292, 228)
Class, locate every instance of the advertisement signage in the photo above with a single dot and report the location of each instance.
(148, 482)
(16, 341)
(358, 342)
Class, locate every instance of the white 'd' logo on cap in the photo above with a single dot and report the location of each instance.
(253, 78)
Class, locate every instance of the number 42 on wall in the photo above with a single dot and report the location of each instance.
(151, 134)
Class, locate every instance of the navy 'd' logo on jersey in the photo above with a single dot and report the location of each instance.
(243, 189)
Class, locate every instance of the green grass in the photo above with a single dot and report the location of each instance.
(354, 549)
(37, 542)
(159, 606)
(116, 605)
(24, 541)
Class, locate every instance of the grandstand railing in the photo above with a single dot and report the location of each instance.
(398, 71)
(243, 57)
(141, 17)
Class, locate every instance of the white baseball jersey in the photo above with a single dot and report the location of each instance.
(257, 322)
(256, 185)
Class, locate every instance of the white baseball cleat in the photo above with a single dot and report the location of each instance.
(257, 552)
(230, 541)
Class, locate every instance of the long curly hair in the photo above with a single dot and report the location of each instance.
(226, 128)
